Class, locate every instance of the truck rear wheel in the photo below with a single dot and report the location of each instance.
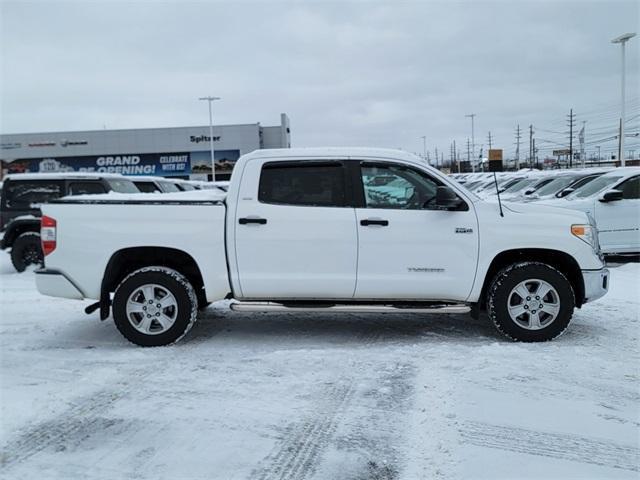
(26, 250)
(530, 302)
(154, 306)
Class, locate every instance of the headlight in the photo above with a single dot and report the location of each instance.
(586, 233)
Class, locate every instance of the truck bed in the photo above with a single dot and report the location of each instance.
(95, 227)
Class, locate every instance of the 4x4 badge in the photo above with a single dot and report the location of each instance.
(464, 230)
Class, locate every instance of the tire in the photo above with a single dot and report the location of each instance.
(141, 319)
(517, 315)
(26, 250)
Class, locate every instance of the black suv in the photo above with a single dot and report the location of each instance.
(22, 193)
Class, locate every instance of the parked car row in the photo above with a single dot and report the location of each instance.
(23, 193)
(611, 196)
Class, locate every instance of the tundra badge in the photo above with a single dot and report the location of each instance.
(464, 230)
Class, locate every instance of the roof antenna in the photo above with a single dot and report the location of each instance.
(495, 179)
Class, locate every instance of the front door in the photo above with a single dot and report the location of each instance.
(295, 231)
(408, 248)
(619, 221)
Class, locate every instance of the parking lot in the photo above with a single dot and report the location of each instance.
(366, 396)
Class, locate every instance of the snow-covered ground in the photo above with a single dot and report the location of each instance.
(297, 396)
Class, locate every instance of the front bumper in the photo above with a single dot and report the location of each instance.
(56, 284)
(596, 284)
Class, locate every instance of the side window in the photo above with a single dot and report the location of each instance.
(28, 194)
(146, 187)
(397, 187)
(83, 188)
(630, 189)
(320, 184)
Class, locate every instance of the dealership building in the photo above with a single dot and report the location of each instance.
(179, 152)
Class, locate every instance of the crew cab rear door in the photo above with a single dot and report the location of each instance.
(408, 248)
(295, 230)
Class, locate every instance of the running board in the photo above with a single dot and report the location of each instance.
(346, 308)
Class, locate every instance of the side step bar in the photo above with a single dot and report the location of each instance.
(346, 308)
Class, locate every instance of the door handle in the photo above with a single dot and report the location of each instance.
(373, 221)
(245, 221)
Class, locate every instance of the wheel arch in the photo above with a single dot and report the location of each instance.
(127, 260)
(562, 261)
(15, 228)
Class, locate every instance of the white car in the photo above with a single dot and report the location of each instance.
(613, 200)
(312, 230)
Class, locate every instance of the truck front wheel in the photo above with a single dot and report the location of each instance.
(154, 306)
(530, 302)
(26, 250)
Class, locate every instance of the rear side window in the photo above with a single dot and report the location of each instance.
(169, 187)
(147, 187)
(84, 188)
(311, 184)
(28, 194)
(123, 186)
(630, 189)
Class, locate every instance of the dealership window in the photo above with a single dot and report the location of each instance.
(397, 187)
(84, 188)
(319, 184)
(28, 194)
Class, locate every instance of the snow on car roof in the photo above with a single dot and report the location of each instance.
(623, 172)
(61, 175)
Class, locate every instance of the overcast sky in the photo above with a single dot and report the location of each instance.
(357, 73)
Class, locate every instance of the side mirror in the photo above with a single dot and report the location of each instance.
(611, 196)
(565, 192)
(446, 198)
(529, 191)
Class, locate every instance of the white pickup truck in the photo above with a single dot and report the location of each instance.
(324, 229)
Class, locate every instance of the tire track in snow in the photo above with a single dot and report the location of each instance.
(555, 445)
(69, 428)
(73, 426)
(296, 456)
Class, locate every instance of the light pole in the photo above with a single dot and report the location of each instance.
(473, 141)
(213, 158)
(424, 147)
(598, 147)
(622, 40)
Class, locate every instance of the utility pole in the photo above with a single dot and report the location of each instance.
(473, 140)
(622, 40)
(581, 139)
(213, 158)
(489, 140)
(598, 147)
(571, 119)
(436, 156)
(530, 146)
(518, 147)
(424, 148)
(454, 154)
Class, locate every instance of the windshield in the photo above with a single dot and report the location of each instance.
(594, 187)
(516, 187)
(556, 184)
(123, 186)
